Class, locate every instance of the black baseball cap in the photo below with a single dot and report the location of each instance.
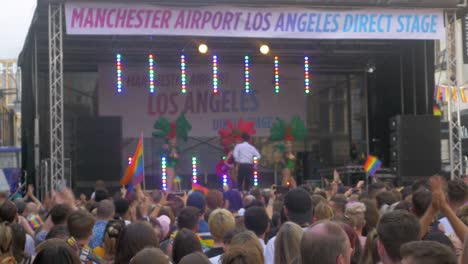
(299, 205)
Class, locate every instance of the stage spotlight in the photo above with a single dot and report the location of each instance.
(370, 67)
(264, 49)
(203, 48)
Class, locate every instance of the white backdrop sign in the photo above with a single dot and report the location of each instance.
(88, 18)
(206, 111)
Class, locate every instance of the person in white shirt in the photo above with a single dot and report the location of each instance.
(244, 154)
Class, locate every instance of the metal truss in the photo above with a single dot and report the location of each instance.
(57, 166)
(455, 135)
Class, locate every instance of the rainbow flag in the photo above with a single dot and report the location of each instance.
(136, 170)
(462, 94)
(372, 165)
(436, 110)
(198, 187)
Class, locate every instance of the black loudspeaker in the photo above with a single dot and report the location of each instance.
(98, 156)
(415, 146)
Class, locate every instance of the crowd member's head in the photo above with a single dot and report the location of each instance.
(55, 251)
(375, 188)
(20, 207)
(385, 199)
(80, 225)
(258, 194)
(323, 212)
(354, 242)
(220, 222)
(195, 258)
(214, 200)
(19, 242)
(245, 137)
(134, 237)
(256, 220)
(59, 214)
(185, 242)
(288, 243)
(188, 218)
(122, 209)
(150, 255)
(197, 200)
(58, 231)
(6, 241)
(355, 212)
(105, 210)
(112, 234)
(8, 212)
(394, 229)
(427, 252)
(338, 204)
(100, 195)
(371, 216)
(248, 199)
(457, 193)
(421, 200)
(298, 207)
(244, 247)
(370, 255)
(316, 199)
(325, 242)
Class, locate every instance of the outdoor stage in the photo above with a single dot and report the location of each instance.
(359, 74)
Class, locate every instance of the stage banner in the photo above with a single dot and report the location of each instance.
(205, 110)
(88, 18)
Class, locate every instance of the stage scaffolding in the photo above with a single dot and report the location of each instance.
(57, 160)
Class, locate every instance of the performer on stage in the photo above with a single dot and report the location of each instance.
(231, 136)
(287, 133)
(244, 154)
(171, 131)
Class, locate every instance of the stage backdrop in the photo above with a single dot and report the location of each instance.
(206, 111)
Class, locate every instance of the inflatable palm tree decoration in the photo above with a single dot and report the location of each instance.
(171, 132)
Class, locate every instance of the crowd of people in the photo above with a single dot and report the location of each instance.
(422, 223)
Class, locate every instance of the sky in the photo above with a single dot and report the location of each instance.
(15, 19)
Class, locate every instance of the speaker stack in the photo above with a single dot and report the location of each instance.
(415, 146)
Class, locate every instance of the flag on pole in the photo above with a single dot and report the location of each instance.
(462, 94)
(198, 187)
(372, 165)
(454, 93)
(436, 110)
(135, 171)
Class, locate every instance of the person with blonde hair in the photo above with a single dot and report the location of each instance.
(323, 212)
(288, 243)
(356, 213)
(219, 223)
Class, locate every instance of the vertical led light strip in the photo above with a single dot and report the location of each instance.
(225, 181)
(194, 170)
(255, 162)
(183, 73)
(277, 79)
(164, 173)
(247, 74)
(306, 75)
(118, 58)
(215, 74)
(151, 72)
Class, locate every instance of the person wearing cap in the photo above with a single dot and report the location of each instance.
(244, 154)
(197, 200)
(298, 209)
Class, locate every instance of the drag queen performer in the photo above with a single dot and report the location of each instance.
(231, 136)
(171, 131)
(286, 134)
